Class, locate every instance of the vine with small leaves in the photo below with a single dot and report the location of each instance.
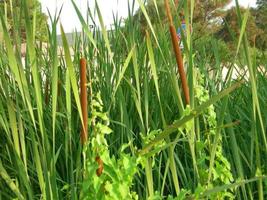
(220, 173)
(106, 177)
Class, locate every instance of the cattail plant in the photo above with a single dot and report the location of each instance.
(151, 146)
(178, 54)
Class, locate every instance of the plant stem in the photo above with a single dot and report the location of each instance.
(83, 100)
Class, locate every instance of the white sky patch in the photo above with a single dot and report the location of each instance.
(71, 22)
(244, 3)
(69, 17)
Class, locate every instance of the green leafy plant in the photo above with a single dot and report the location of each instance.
(143, 141)
(105, 176)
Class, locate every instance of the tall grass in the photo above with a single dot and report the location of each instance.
(213, 148)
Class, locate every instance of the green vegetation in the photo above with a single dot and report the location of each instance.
(261, 17)
(15, 19)
(143, 141)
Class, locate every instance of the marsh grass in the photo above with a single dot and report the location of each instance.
(136, 74)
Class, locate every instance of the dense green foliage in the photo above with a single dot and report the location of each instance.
(149, 143)
(205, 17)
(255, 27)
(261, 17)
(15, 18)
(211, 19)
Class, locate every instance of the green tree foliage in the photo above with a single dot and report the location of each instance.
(16, 20)
(261, 20)
(156, 16)
(206, 15)
(261, 14)
(231, 28)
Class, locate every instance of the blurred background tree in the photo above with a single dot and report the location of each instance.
(156, 13)
(256, 27)
(230, 28)
(211, 19)
(260, 14)
(207, 16)
(16, 21)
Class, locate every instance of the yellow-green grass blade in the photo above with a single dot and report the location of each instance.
(22, 143)
(154, 73)
(173, 168)
(33, 63)
(152, 64)
(137, 99)
(146, 93)
(243, 30)
(13, 126)
(149, 177)
(84, 25)
(54, 78)
(72, 74)
(54, 90)
(68, 135)
(17, 71)
(10, 183)
(34, 23)
(158, 12)
(137, 103)
(122, 72)
(194, 113)
(176, 90)
(103, 30)
(38, 167)
(165, 176)
(218, 189)
(143, 9)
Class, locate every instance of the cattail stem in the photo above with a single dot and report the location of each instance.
(178, 54)
(83, 100)
(168, 11)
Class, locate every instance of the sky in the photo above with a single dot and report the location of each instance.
(71, 22)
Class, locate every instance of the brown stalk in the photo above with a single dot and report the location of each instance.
(83, 99)
(178, 54)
